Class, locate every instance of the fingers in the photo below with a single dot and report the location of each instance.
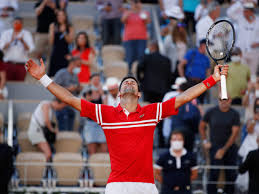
(28, 64)
(41, 62)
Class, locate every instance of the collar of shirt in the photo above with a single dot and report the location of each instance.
(172, 153)
(119, 109)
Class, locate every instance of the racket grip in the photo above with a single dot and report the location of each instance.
(223, 83)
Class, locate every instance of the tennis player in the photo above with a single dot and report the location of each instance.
(128, 128)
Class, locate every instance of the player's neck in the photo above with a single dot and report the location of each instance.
(129, 102)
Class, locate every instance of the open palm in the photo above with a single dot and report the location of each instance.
(34, 69)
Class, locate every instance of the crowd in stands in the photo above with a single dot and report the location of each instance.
(183, 25)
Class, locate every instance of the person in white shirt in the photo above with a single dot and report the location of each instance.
(248, 27)
(201, 10)
(112, 86)
(168, 4)
(204, 23)
(16, 43)
(7, 9)
(167, 123)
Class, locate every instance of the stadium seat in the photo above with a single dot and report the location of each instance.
(68, 142)
(117, 69)
(83, 22)
(30, 174)
(68, 175)
(113, 52)
(23, 121)
(100, 173)
(25, 144)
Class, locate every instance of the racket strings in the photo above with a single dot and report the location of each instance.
(221, 38)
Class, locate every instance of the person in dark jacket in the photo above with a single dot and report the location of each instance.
(6, 167)
(154, 73)
(251, 164)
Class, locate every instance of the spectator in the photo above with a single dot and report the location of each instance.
(251, 94)
(156, 79)
(6, 167)
(167, 4)
(3, 88)
(249, 144)
(201, 10)
(251, 164)
(110, 12)
(248, 26)
(68, 78)
(176, 46)
(45, 12)
(61, 34)
(187, 120)
(112, 86)
(86, 53)
(189, 9)
(62, 4)
(135, 32)
(16, 44)
(95, 81)
(204, 23)
(7, 10)
(176, 90)
(92, 132)
(239, 75)
(195, 66)
(222, 147)
(41, 117)
(176, 168)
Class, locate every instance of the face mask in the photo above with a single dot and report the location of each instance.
(235, 58)
(177, 145)
(17, 27)
(76, 70)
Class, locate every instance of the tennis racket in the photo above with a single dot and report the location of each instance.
(220, 40)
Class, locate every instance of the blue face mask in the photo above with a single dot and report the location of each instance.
(76, 70)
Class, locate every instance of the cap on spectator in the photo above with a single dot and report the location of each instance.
(203, 41)
(249, 5)
(174, 12)
(111, 83)
(236, 51)
(178, 82)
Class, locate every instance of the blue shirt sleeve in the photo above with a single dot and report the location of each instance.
(188, 55)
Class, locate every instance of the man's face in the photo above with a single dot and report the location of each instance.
(248, 13)
(202, 48)
(129, 86)
(224, 104)
(17, 25)
(216, 12)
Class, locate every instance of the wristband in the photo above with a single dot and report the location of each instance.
(45, 80)
(209, 82)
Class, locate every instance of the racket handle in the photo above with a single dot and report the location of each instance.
(223, 83)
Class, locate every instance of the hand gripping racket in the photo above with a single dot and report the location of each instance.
(220, 40)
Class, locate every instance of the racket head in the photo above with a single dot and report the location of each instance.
(220, 40)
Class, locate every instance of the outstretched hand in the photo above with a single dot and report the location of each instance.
(34, 69)
(220, 70)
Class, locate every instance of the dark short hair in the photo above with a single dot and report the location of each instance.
(73, 58)
(203, 41)
(177, 131)
(94, 74)
(130, 76)
(18, 18)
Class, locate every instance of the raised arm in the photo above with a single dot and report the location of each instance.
(200, 88)
(61, 93)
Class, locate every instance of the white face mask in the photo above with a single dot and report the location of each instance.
(235, 58)
(76, 70)
(176, 145)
